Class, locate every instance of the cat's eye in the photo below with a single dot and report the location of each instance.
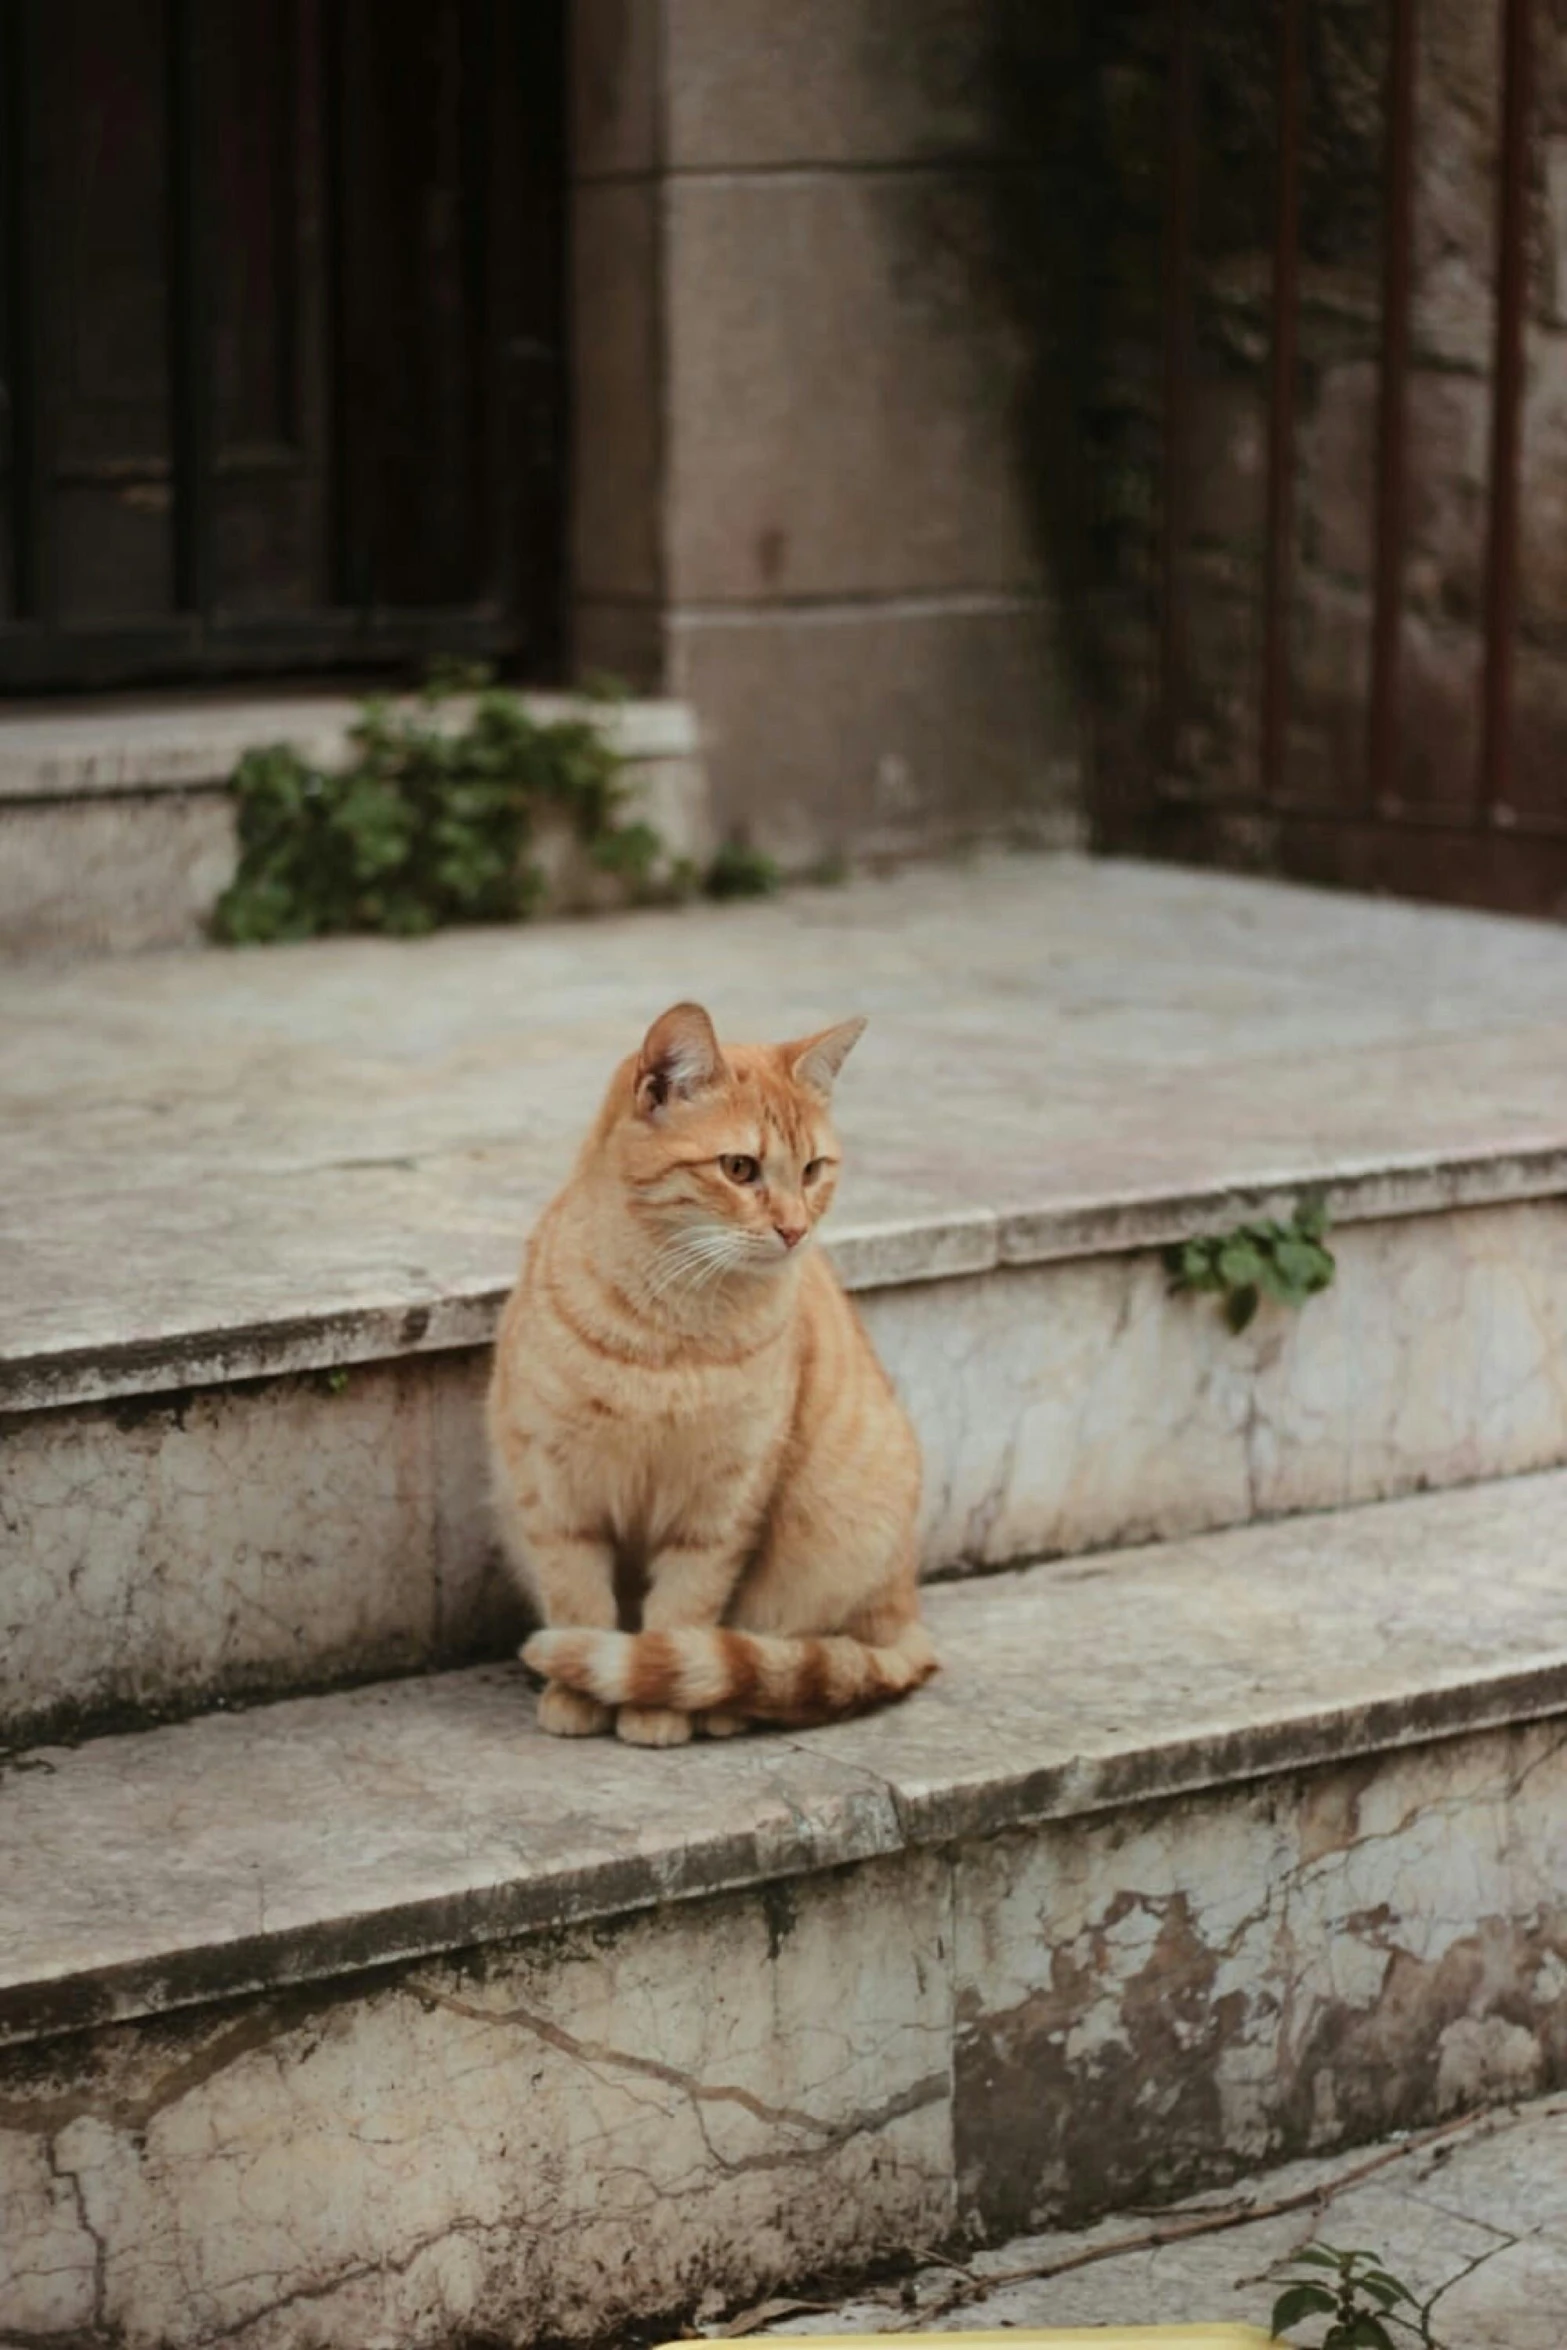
(814, 1170)
(739, 1168)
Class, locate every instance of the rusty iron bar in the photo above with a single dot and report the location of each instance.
(1501, 571)
(1281, 409)
(1176, 403)
(1382, 737)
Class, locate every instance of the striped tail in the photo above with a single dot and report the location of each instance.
(760, 1675)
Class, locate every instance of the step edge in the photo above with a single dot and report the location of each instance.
(54, 759)
(870, 1818)
(885, 1253)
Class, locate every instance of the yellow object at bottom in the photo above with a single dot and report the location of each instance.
(1225, 2337)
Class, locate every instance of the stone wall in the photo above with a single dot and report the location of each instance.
(798, 495)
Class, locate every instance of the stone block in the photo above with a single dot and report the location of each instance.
(882, 728)
(552, 2139)
(1149, 2003)
(109, 876)
(905, 478)
(827, 81)
(618, 391)
(171, 1549)
(1076, 1405)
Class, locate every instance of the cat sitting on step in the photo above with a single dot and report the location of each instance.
(703, 1475)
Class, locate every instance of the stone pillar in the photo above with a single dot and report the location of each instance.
(797, 502)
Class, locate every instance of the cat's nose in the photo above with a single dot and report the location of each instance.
(790, 1234)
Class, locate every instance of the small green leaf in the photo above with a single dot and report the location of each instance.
(1274, 1283)
(1239, 1307)
(1240, 1263)
(1311, 1214)
(1367, 2333)
(1303, 2300)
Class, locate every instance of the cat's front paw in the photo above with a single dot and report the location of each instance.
(652, 1725)
(721, 1725)
(566, 1713)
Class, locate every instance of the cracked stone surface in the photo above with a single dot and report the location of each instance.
(241, 1539)
(321, 1835)
(1490, 2199)
(1307, 1964)
(216, 1167)
(549, 2142)
(622, 2120)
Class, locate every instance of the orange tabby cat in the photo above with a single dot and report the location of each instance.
(685, 1413)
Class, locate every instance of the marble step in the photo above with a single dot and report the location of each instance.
(258, 1213)
(117, 828)
(377, 2017)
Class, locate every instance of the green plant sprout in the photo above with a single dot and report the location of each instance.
(1289, 1262)
(1368, 2308)
(427, 824)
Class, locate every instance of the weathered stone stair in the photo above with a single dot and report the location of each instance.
(371, 2015)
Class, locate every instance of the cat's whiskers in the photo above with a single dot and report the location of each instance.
(692, 1260)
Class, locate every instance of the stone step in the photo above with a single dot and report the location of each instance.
(258, 1211)
(117, 827)
(377, 2017)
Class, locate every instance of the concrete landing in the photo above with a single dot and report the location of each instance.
(379, 2018)
(255, 1162)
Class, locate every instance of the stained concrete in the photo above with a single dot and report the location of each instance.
(702, 2099)
(1489, 2199)
(249, 1163)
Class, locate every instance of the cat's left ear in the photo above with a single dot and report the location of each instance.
(816, 1060)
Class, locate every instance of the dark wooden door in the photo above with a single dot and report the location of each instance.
(280, 315)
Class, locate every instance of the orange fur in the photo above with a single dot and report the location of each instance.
(702, 1473)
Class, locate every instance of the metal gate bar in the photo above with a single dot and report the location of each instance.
(190, 309)
(1280, 541)
(1180, 179)
(27, 264)
(1501, 578)
(1383, 806)
(1383, 774)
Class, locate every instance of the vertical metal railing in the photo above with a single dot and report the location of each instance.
(1507, 384)
(192, 423)
(1382, 733)
(1383, 801)
(1279, 542)
(1175, 451)
(27, 263)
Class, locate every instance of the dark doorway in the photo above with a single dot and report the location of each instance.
(281, 317)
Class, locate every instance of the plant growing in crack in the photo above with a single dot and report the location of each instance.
(1285, 1261)
(1367, 2307)
(430, 822)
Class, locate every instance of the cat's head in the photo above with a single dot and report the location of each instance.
(727, 1153)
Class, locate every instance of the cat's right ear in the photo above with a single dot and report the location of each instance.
(679, 1057)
